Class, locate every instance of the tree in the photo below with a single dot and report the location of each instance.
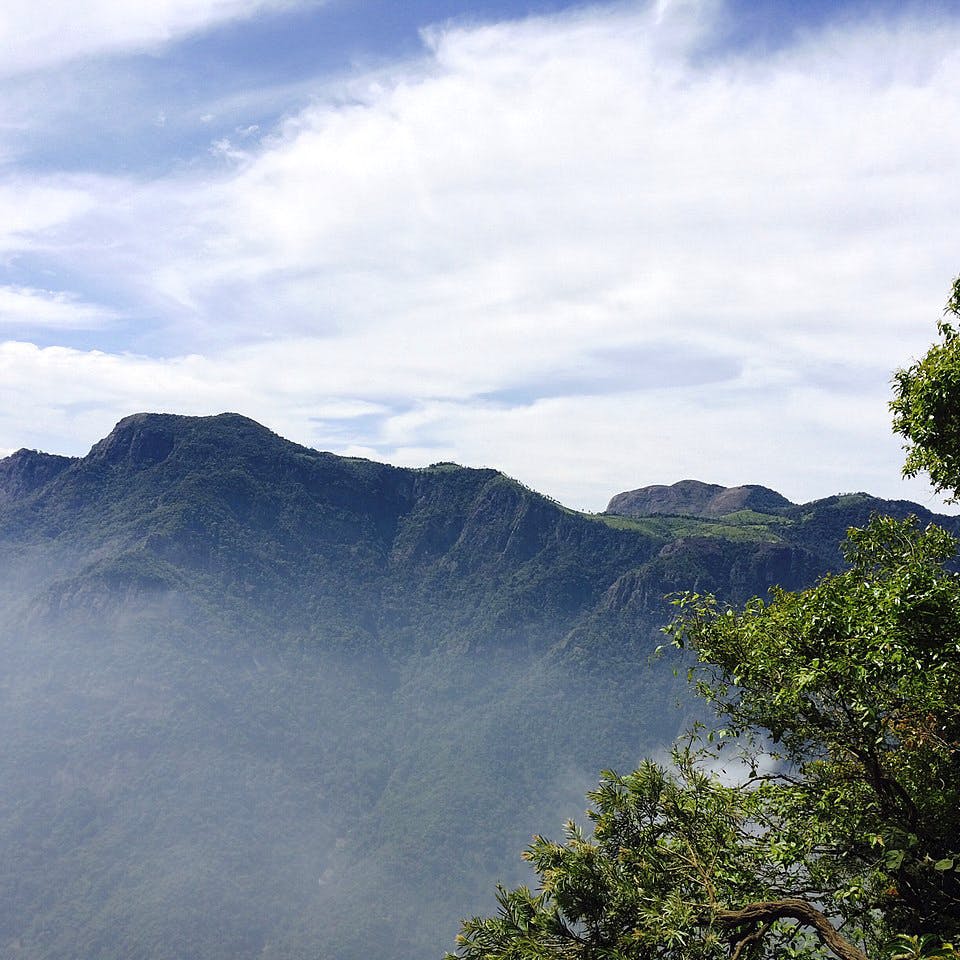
(836, 829)
(926, 406)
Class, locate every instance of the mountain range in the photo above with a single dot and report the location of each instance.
(264, 701)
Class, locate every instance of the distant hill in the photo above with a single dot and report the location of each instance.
(815, 529)
(264, 701)
(696, 499)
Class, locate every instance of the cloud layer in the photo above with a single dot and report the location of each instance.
(590, 249)
(40, 33)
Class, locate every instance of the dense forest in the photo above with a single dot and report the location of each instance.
(263, 701)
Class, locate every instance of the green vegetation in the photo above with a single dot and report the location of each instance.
(926, 408)
(742, 525)
(263, 701)
(840, 704)
(835, 827)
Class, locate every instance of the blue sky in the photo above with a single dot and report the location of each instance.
(597, 246)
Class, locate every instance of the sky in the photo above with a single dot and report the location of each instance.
(594, 246)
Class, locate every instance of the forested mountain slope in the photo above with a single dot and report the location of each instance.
(261, 701)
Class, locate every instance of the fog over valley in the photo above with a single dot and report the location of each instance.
(264, 701)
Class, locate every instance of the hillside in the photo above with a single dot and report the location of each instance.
(263, 701)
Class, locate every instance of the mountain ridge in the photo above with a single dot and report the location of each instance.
(145, 440)
(265, 701)
(233, 510)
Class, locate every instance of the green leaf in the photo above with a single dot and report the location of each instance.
(893, 859)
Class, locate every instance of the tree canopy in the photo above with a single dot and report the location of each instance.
(822, 815)
(926, 406)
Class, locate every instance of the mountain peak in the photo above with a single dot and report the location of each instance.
(25, 471)
(695, 498)
(142, 439)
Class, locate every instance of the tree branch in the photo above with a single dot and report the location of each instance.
(766, 912)
(753, 937)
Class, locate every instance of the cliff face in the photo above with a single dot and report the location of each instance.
(26, 471)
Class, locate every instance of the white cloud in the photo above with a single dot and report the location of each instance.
(35, 207)
(41, 33)
(29, 307)
(571, 167)
(516, 209)
(62, 399)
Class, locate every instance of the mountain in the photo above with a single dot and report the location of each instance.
(696, 499)
(812, 531)
(264, 701)
(26, 471)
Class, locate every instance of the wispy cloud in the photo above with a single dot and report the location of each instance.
(29, 307)
(41, 33)
(31, 209)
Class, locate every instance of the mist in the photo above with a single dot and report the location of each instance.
(171, 791)
(261, 701)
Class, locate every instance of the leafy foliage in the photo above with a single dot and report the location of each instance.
(855, 683)
(926, 407)
(840, 831)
